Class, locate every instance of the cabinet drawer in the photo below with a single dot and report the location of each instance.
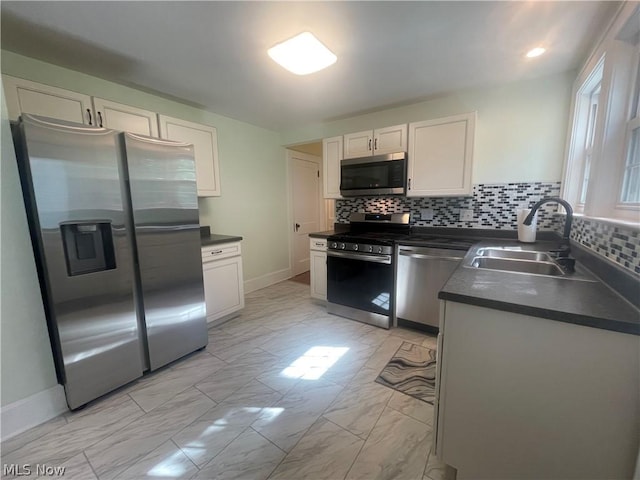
(318, 244)
(223, 250)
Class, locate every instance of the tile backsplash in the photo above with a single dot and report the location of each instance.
(494, 207)
(618, 243)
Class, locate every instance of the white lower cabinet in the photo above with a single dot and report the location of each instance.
(318, 247)
(223, 281)
(527, 397)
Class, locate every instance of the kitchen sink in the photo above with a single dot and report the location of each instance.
(535, 267)
(514, 254)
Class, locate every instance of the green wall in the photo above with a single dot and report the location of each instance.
(252, 164)
(520, 131)
(253, 204)
(27, 365)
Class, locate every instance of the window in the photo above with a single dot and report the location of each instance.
(583, 136)
(602, 170)
(631, 183)
(591, 114)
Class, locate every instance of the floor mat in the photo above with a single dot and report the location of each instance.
(412, 370)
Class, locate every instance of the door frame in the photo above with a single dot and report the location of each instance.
(320, 199)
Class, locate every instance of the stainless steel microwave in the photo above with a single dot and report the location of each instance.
(376, 175)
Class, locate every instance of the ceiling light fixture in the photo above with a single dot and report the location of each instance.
(536, 52)
(302, 54)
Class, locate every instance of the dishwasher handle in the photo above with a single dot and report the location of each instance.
(426, 253)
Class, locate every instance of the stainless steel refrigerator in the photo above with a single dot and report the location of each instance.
(114, 224)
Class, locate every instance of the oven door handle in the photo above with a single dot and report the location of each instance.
(386, 259)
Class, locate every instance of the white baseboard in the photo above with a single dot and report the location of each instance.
(29, 412)
(266, 280)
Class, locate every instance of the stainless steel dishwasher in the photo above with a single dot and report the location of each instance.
(421, 274)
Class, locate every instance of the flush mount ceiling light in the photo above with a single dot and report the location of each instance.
(536, 52)
(302, 54)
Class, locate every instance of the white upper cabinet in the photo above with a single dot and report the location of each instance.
(358, 144)
(376, 142)
(441, 156)
(205, 143)
(123, 117)
(331, 156)
(390, 139)
(23, 96)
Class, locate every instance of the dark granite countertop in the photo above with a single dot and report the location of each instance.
(217, 239)
(325, 234)
(590, 303)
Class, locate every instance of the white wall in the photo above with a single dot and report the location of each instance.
(27, 364)
(520, 130)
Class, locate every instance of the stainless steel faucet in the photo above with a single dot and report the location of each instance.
(564, 203)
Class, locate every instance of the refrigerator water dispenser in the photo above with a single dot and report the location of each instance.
(88, 247)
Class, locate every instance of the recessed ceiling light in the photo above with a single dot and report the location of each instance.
(536, 52)
(302, 54)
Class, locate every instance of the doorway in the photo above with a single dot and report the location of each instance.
(306, 205)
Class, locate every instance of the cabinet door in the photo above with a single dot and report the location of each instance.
(358, 144)
(390, 139)
(441, 156)
(318, 275)
(125, 118)
(331, 156)
(205, 143)
(23, 96)
(223, 287)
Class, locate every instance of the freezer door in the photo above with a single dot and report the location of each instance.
(72, 186)
(164, 204)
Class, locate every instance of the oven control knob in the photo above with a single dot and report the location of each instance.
(355, 247)
(370, 248)
(342, 246)
(379, 249)
(334, 245)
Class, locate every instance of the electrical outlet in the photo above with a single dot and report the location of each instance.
(426, 214)
(466, 215)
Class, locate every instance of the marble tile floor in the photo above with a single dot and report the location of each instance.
(283, 391)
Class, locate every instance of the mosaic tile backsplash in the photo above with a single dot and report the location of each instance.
(618, 243)
(494, 207)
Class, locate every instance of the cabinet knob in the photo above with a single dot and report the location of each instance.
(216, 252)
(369, 144)
(409, 184)
(375, 144)
(100, 119)
(89, 116)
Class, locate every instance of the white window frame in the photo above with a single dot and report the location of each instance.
(632, 125)
(619, 57)
(579, 134)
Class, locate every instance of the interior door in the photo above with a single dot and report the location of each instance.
(305, 200)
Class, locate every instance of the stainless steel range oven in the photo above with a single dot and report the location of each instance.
(360, 268)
